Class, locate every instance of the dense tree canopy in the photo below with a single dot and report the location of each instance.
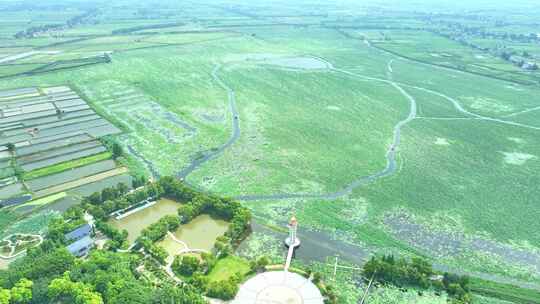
(50, 274)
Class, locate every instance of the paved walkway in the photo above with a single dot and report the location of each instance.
(278, 287)
(289, 257)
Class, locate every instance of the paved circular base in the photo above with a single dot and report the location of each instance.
(288, 242)
(279, 294)
(278, 287)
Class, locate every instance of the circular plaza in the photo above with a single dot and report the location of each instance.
(278, 287)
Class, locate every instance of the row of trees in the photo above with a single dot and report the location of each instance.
(417, 273)
(458, 28)
(129, 30)
(36, 30)
(101, 204)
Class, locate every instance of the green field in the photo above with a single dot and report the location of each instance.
(227, 267)
(320, 91)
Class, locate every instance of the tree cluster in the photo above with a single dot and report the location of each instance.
(101, 204)
(225, 290)
(58, 227)
(458, 32)
(118, 239)
(155, 232)
(112, 145)
(186, 265)
(416, 273)
(21, 293)
(259, 265)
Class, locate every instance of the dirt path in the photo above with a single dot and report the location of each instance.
(522, 112)
(458, 107)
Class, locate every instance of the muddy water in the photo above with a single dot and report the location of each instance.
(316, 246)
(137, 221)
(200, 233)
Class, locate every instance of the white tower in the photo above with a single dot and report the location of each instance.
(292, 240)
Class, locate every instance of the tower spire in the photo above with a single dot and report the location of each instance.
(292, 240)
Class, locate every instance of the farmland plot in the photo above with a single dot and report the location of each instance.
(55, 134)
(18, 115)
(54, 125)
(63, 158)
(82, 181)
(60, 178)
(57, 152)
(11, 190)
(55, 137)
(15, 92)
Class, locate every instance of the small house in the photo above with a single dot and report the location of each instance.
(530, 66)
(79, 233)
(81, 247)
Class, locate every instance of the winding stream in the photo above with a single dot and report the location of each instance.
(235, 133)
(391, 163)
(391, 153)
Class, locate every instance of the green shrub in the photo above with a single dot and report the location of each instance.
(225, 290)
(186, 265)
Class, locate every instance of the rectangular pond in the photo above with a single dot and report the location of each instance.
(199, 233)
(136, 222)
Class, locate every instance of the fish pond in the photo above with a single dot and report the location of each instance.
(199, 234)
(136, 222)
